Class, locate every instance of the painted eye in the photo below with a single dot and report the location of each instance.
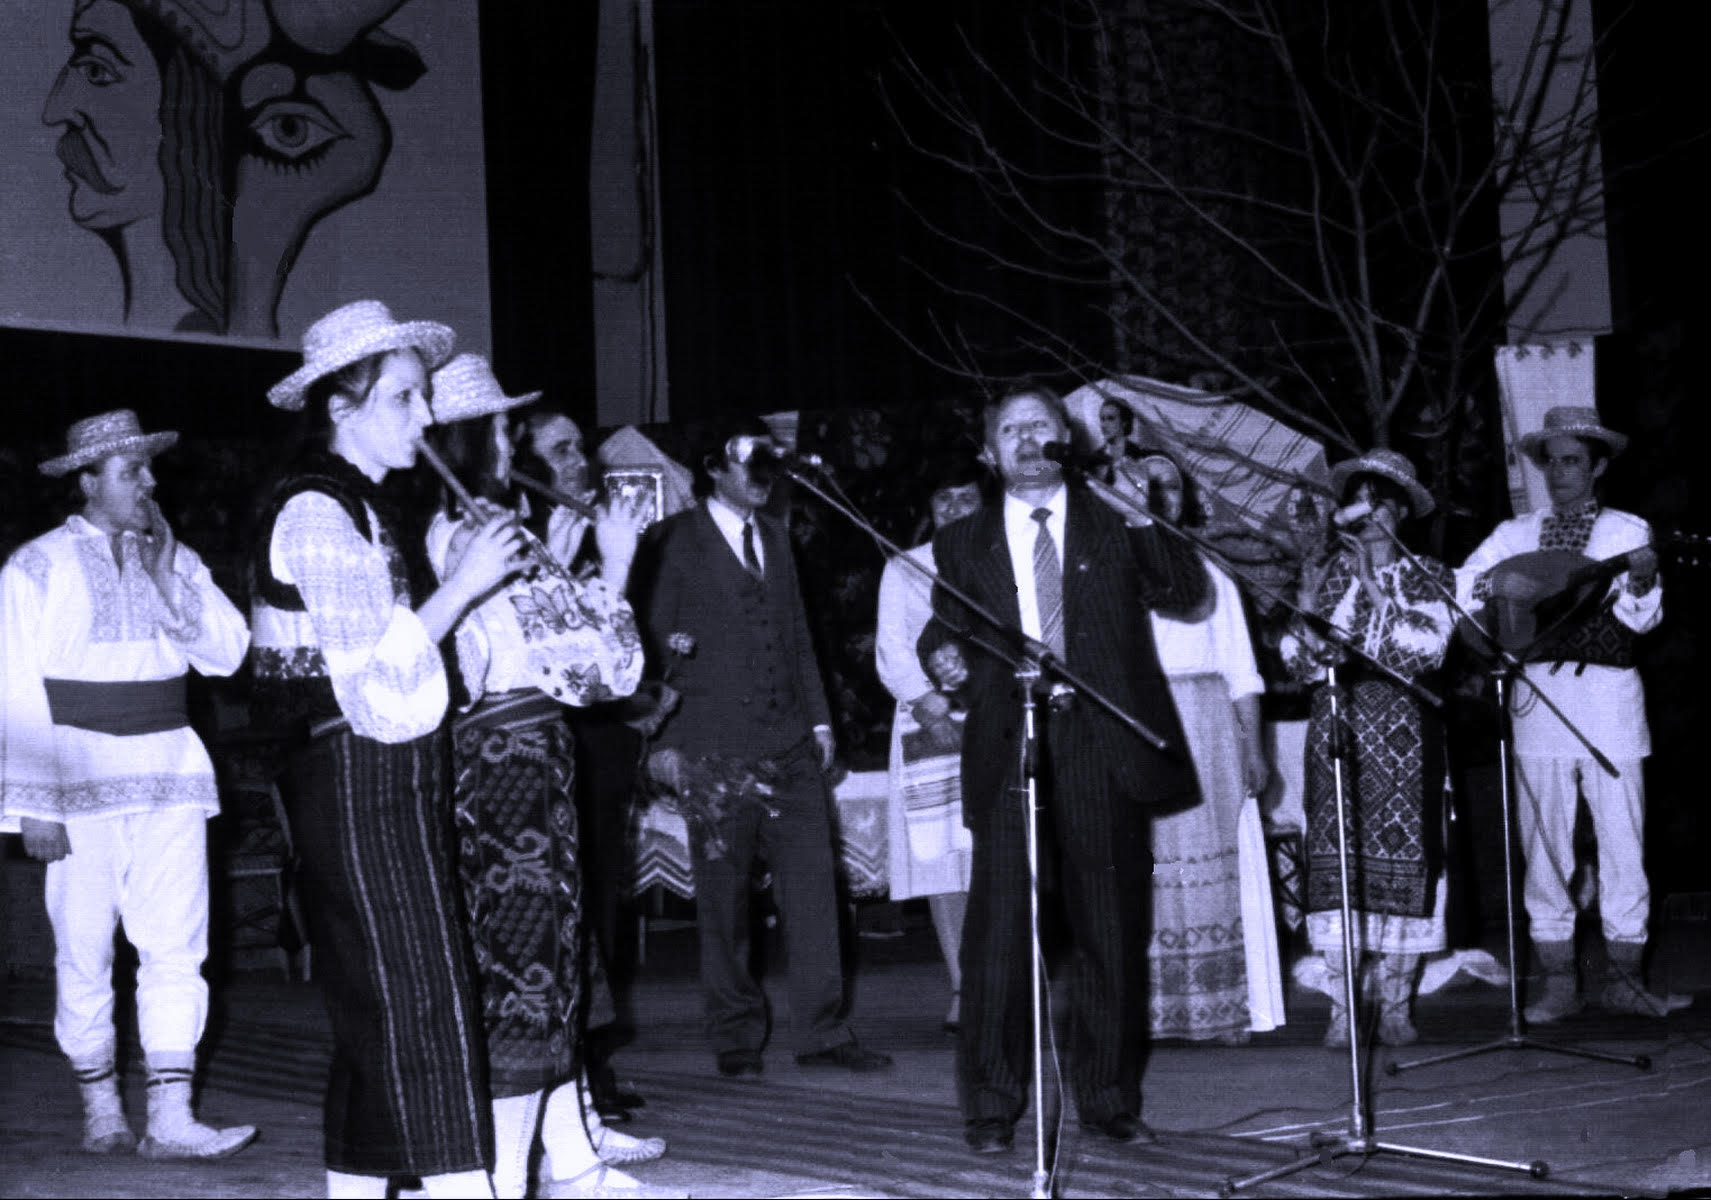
(290, 131)
(95, 71)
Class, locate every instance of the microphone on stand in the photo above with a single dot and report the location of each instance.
(746, 448)
(1351, 514)
(1066, 455)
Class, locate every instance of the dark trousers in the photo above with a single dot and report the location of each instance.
(797, 845)
(1097, 871)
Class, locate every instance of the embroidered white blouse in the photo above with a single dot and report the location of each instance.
(385, 670)
(68, 610)
(577, 644)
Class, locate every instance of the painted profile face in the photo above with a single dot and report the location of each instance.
(558, 442)
(107, 99)
(378, 433)
(1024, 424)
(1569, 471)
(954, 503)
(116, 493)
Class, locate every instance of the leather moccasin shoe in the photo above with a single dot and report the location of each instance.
(989, 1137)
(1124, 1127)
(847, 1055)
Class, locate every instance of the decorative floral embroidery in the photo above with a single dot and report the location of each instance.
(542, 612)
(33, 561)
(123, 605)
(289, 662)
(111, 796)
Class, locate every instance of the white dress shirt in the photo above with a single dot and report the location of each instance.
(1021, 531)
(730, 523)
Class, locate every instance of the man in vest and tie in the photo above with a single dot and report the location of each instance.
(716, 591)
(1075, 580)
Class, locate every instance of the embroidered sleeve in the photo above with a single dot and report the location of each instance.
(1302, 649)
(29, 769)
(580, 642)
(201, 618)
(1640, 611)
(385, 670)
(1410, 631)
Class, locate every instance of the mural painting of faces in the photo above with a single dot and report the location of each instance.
(204, 142)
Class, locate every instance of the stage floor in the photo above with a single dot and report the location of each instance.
(1603, 1128)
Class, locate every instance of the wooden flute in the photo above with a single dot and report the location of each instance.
(531, 543)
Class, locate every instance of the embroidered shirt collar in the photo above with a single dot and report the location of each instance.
(1586, 508)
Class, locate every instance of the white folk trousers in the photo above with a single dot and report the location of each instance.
(148, 871)
(1546, 790)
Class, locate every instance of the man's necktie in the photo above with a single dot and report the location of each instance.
(750, 559)
(1048, 584)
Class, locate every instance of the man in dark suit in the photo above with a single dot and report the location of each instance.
(722, 612)
(1050, 560)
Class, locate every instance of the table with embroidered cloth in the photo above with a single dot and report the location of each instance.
(660, 841)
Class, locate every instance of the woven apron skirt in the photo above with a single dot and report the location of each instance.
(514, 777)
(1197, 981)
(372, 824)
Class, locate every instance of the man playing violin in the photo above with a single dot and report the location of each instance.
(1585, 666)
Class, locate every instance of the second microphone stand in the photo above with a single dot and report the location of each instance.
(1359, 1139)
(1507, 667)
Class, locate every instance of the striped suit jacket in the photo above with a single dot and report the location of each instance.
(1113, 575)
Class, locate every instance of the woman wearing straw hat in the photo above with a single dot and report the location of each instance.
(543, 640)
(1391, 606)
(348, 625)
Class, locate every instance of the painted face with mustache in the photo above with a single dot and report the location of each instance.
(107, 98)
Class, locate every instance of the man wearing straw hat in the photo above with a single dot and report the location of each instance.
(102, 774)
(1587, 670)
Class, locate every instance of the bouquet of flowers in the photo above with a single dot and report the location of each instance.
(708, 790)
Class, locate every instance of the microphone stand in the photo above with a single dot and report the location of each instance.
(1030, 666)
(1503, 666)
(1359, 1139)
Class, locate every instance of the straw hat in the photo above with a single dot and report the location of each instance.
(1389, 465)
(94, 438)
(1568, 421)
(465, 388)
(354, 332)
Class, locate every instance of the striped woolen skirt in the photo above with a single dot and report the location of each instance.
(514, 773)
(372, 825)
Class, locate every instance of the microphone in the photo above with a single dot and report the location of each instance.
(1351, 514)
(1066, 455)
(746, 448)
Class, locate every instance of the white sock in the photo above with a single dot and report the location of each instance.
(514, 1121)
(459, 1185)
(343, 1186)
